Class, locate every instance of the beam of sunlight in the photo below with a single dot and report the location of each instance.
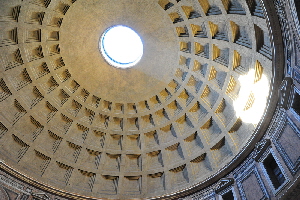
(260, 90)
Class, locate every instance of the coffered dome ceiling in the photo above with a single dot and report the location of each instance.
(173, 121)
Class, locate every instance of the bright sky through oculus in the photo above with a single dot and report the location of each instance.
(121, 46)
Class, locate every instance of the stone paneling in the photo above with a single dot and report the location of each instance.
(251, 186)
(287, 143)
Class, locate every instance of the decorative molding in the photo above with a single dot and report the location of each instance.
(286, 30)
(285, 91)
(34, 184)
(12, 183)
(223, 184)
(260, 149)
(248, 163)
(41, 196)
(294, 14)
(207, 194)
(278, 120)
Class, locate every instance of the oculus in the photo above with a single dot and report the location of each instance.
(121, 46)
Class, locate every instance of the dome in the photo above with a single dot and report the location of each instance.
(190, 105)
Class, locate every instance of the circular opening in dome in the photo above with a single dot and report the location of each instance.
(121, 46)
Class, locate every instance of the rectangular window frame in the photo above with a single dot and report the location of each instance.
(294, 91)
(220, 195)
(275, 191)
